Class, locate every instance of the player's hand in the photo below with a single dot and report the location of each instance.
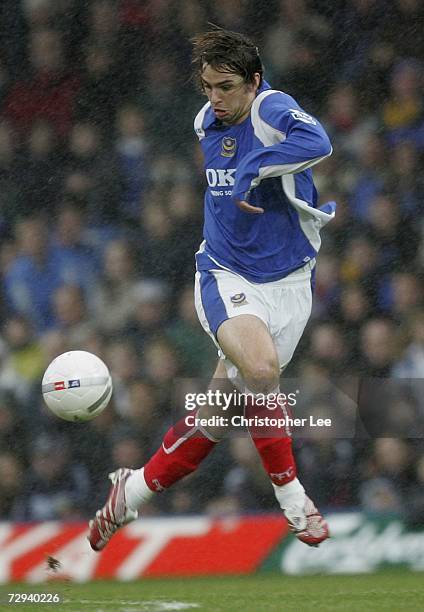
(248, 208)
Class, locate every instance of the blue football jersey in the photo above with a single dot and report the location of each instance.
(265, 160)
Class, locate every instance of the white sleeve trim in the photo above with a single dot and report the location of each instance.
(279, 170)
(267, 134)
(311, 219)
(198, 122)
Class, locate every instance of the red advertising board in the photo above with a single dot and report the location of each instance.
(186, 546)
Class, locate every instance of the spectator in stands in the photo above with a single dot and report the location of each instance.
(38, 14)
(40, 170)
(371, 176)
(388, 473)
(245, 469)
(53, 343)
(396, 238)
(11, 382)
(160, 363)
(403, 414)
(406, 295)
(4, 79)
(405, 181)
(71, 315)
(10, 202)
(411, 359)
(353, 43)
(327, 286)
(132, 152)
(25, 354)
(100, 91)
(328, 346)
(378, 348)
(361, 264)
(192, 18)
(114, 301)
(13, 426)
(403, 112)
(332, 488)
(71, 235)
(11, 483)
(231, 14)
(195, 354)
(124, 364)
(353, 311)
(98, 169)
(49, 92)
(348, 126)
(165, 242)
(404, 17)
(145, 414)
(294, 19)
(126, 448)
(342, 227)
(150, 310)
(36, 272)
(54, 486)
(103, 22)
(162, 99)
(413, 507)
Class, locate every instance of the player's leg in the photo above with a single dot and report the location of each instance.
(248, 345)
(239, 315)
(183, 449)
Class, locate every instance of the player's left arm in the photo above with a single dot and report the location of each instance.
(304, 143)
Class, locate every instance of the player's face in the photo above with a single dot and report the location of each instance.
(230, 96)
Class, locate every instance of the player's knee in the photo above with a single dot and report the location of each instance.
(262, 377)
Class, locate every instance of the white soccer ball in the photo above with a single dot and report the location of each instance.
(77, 386)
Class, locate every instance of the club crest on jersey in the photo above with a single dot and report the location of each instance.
(239, 299)
(228, 146)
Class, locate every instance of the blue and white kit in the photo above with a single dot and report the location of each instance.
(247, 262)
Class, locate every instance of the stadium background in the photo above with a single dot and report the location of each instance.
(101, 189)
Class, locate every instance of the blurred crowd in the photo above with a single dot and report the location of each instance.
(101, 188)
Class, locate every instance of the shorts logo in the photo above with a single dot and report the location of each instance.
(239, 299)
(228, 146)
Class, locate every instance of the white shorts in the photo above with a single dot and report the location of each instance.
(284, 306)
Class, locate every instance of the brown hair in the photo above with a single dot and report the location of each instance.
(226, 51)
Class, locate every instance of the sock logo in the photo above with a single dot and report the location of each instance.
(157, 484)
(283, 475)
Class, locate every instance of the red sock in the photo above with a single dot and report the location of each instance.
(277, 458)
(183, 449)
(275, 449)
